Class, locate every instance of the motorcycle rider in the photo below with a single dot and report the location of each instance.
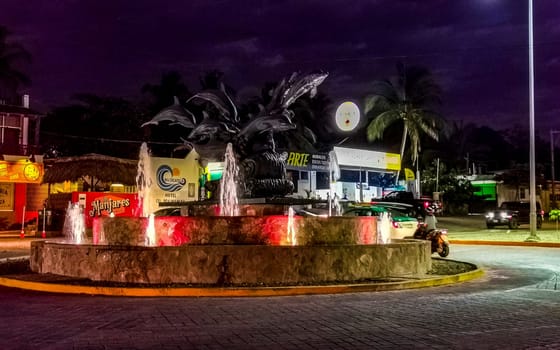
(430, 219)
(428, 230)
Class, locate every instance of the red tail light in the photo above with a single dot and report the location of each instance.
(396, 224)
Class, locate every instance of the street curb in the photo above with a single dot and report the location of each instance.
(508, 243)
(238, 291)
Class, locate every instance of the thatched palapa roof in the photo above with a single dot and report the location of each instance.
(92, 168)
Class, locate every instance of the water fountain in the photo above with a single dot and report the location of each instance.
(74, 229)
(229, 204)
(384, 228)
(232, 249)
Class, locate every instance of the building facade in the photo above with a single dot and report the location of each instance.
(21, 164)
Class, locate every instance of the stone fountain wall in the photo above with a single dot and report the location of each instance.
(235, 265)
(238, 230)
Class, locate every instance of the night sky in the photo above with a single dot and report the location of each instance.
(477, 49)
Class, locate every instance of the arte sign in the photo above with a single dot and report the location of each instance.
(21, 171)
(307, 161)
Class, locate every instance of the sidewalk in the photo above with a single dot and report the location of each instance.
(472, 229)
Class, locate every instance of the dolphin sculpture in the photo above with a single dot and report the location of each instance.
(175, 115)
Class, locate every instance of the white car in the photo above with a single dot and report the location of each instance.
(402, 225)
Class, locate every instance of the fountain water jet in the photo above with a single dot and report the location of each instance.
(384, 228)
(291, 227)
(144, 183)
(229, 202)
(75, 224)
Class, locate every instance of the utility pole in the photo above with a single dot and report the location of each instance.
(532, 178)
(553, 195)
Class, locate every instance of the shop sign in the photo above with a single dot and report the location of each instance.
(21, 171)
(6, 196)
(106, 204)
(408, 174)
(307, 161)
(365, 159)
(175, 180)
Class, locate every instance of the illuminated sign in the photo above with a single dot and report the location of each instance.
(408, 174)
(169, 179)
(347, 116)
(6, 196)
(108, 205)
(307, 161)
(364, 159)
(98, 204)
(174, 180)
(21, 171)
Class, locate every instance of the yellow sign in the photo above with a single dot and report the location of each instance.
(22, 171)
(393, 161)
(6, 196)
(298, 159)
(408, 174)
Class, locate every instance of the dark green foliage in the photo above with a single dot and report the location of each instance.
(94, 124)
(456, 188)
(11, 54)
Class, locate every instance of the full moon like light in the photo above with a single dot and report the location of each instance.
(347, 116)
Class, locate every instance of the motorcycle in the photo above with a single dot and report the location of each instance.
(438, 238)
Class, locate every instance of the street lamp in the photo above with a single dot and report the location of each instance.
(553, 195)
(532, 187)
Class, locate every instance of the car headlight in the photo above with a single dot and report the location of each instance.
(504, 215)
(490, 215)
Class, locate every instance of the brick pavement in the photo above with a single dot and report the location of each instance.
(453, 317)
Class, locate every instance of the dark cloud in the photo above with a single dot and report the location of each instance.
(478, 49)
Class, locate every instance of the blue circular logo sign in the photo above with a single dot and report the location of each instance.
(166, 181)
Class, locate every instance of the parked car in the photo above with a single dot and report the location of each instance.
(403, 223)
(406, 197)
(322, 212)
(170, 211)
(513, 214)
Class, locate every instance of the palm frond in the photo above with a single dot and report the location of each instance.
(377, 126)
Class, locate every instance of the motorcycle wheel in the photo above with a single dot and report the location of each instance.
(444, 251)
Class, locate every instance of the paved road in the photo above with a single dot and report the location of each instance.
(516, 305)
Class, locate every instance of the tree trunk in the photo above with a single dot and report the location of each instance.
(403, 144)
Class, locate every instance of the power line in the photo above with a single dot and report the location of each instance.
(108, 140)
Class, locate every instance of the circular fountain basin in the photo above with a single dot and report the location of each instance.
(230, 265)
(257, 230)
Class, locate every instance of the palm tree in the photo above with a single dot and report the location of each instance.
(11, 53)
(407, 98)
